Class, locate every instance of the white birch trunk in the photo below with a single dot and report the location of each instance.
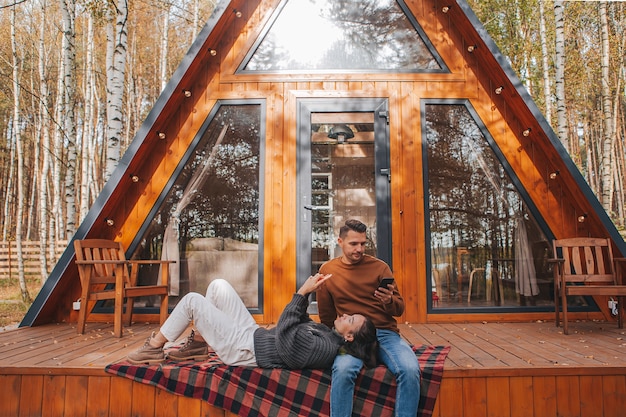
(69, 118)
(117, 17)
(606, 169)
(545, 59)
(618, 178)
(57, 219)
(9, 190)
(45, 146)
(196, 20)
(619, 132)
(559, 62)
(87, 157)
(164, 45)
(19, 153)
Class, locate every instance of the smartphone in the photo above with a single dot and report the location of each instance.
(385, 282)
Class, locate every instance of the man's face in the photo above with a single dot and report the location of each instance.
(353, 246)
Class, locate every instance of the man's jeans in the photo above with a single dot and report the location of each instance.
(398, 356)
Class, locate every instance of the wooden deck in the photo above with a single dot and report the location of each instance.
(493, 369)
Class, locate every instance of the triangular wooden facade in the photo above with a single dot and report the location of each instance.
(210, 73)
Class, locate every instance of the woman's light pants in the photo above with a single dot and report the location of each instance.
(222, 320)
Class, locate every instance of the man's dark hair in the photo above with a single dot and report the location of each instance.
(354, 225)
(364, 344)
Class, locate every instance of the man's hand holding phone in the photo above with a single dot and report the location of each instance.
(384, 293)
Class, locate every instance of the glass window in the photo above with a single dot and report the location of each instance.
(343, 35)
(209, 221)
(486, 247)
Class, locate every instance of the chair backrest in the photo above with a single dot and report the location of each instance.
(587, 259)
(100, 250)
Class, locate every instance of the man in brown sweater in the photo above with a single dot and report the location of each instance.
(355, 289)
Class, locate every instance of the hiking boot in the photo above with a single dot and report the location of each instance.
(191, 350)
(147, 354)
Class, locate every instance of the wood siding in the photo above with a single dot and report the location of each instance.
(474, 77)
(501, 396)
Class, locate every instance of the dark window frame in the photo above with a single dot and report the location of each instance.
(181, 166)
(519, 188)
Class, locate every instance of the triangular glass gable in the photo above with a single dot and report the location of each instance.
(209, 217)
(343, 35)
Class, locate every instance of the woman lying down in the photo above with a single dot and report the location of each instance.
(224, 323)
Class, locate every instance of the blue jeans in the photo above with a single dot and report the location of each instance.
(398, 356)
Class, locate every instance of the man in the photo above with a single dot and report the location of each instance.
(355, 289)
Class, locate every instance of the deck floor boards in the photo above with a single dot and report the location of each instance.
(475, 346)
(525, 346)
(493, 369)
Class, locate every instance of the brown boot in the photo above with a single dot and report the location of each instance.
(147, 354)
(191, 350)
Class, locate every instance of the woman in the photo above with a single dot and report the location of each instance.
(223, 322)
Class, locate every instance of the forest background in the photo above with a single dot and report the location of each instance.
(78, 77)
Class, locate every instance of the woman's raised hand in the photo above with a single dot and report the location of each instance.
(313, 283)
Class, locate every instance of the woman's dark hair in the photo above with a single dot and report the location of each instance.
(364, 344)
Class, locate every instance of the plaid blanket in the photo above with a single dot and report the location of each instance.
(248, 391)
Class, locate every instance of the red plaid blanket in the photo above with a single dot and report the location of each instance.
(269, 392)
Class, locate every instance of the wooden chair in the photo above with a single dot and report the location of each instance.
(585, 266)
(104, 275)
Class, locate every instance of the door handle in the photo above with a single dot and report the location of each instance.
(310, 207)
(387, 172)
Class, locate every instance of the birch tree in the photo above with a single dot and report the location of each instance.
(57, 219)
(606, 170)
(87, 157)
(545, 61)
(619, 111)
(45, 145)
(559, 62)
(19, 153)
(68, 8)
(9, 184)
(117, 39)
(164, 44)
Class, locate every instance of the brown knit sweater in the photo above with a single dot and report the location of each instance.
(351, 290)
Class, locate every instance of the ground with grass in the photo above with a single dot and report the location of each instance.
(12, 308)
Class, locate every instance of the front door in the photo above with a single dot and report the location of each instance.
(343, 173)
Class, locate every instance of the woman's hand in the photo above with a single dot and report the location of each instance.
(313, 283)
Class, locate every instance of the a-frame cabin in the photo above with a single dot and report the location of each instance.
(285, 118)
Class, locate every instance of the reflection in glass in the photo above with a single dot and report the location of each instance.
(210, 217)
(342, 184)
(342, 35)
(486, 249)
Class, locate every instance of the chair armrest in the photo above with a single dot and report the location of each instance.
(100, 262)
(619, 278)
(134, 269)
(557, 271)
(149, 262)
